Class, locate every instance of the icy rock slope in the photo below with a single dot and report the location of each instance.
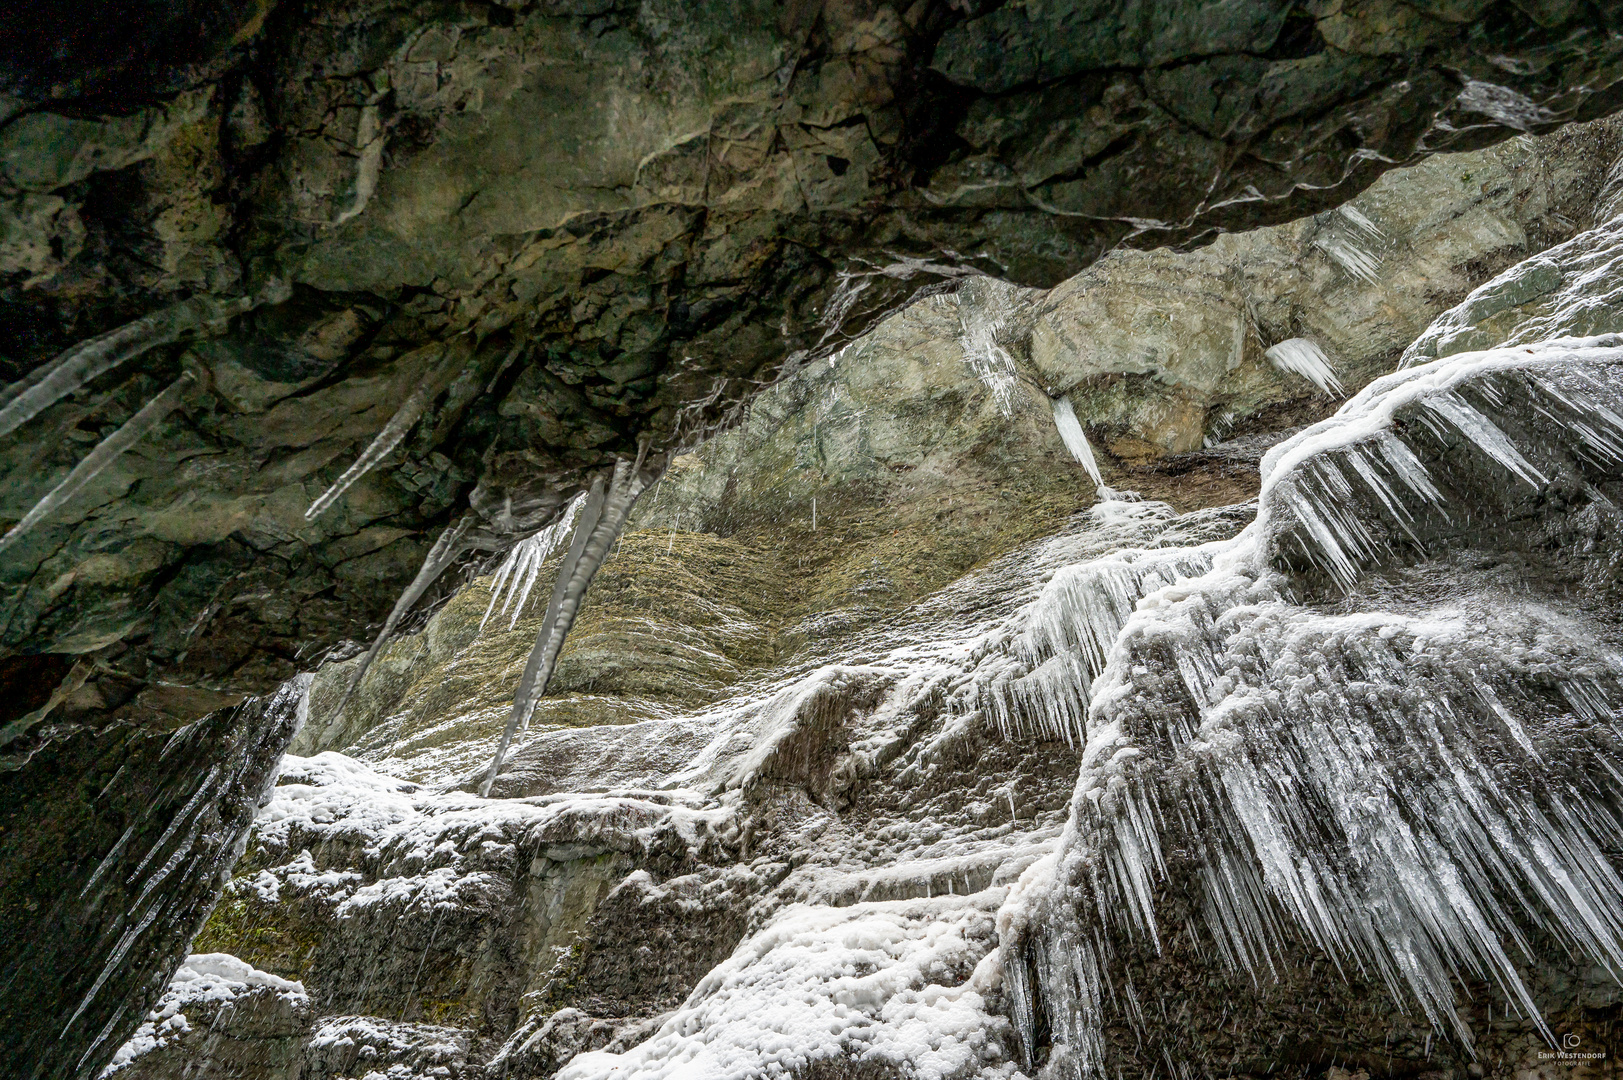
(852, 819)
(1200, 794)
(1374, 732)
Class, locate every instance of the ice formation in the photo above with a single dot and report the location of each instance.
(833, 983)
(445, 551)
(1303, 357)
(23, 400)
(106, 452)
(1284, 718)
(982, 319)
(600, 523)
(1352, 241)
(1379, 785)
(398, 427)
(516, 575)
(1076, 440)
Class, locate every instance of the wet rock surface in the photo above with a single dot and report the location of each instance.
(804, 796)
(616, 222)
(115, 847)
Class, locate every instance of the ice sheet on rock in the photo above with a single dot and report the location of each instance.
(203, 979)
(896, 984)
(985, 311)
(1569, 291)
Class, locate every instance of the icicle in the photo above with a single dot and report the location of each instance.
(981, 319)
(1303, 357)
(88, 360)
(396, 429)
(1348, 237)
(1339, 790)
(601, 521)
(1076, 440)
(440, 556)
(106, 452)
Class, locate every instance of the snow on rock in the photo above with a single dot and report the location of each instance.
(421, 841)
(370, 1046)
(898, 984)
(207, 986)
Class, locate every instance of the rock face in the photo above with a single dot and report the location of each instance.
(575, 224)
(219, 1018)
(114, 850)
(1309, 770)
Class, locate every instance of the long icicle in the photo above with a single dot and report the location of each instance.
(28, 397)
(594, 537)
(440, 556)
(106, 452)
(399, 425)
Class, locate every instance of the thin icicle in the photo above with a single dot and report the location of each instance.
(601, 522)
(441, 555)
(88, 360)
(106, 452)
(1076, 440)
(399, 425)
(1303, 357)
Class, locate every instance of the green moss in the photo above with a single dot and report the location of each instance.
(277, 937)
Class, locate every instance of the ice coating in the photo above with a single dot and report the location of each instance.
(1289, 722)
(1352, 241)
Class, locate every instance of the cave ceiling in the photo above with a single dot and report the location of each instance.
(577, 231)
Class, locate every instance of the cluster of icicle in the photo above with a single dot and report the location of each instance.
(598, 522)
(1416, 792)
(516, 576)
